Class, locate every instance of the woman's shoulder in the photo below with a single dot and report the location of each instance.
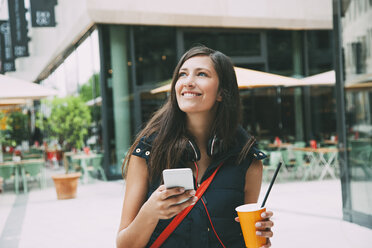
(244, 138)
(143, 148)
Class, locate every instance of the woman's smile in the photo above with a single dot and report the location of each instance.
(190, 94)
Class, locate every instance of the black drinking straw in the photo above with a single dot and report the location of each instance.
(271, 184)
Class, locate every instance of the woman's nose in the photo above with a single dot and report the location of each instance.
(189, 83)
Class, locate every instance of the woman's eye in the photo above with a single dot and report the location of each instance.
(181, 74)
(202, 74)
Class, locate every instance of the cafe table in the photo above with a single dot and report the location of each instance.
(280, 146)
(329, 142)
(83, 158)
(20, 170)
(318, 160)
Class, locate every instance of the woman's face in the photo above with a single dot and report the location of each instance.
(197, 85)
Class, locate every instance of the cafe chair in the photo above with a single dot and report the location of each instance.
(73, 164)
(289, 162)
(95, 166)
(275, 157)
(304, 165)
(33, 170)
(10, 172)
(7, 157)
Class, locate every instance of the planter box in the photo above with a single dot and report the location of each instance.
(66, 185)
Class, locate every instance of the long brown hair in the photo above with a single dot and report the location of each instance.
(169, 121)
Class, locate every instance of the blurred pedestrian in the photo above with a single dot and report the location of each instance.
(198, 127)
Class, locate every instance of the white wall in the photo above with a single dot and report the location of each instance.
(285, 14)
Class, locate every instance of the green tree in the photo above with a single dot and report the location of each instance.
(86, 90)
(5, 128)
(19, 123)
(69, 121)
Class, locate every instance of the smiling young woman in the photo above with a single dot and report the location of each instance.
(197, 87)
(198, 127)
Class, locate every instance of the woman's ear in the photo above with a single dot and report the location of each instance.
(219, 96)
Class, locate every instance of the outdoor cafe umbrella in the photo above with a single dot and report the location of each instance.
(13, 88)
(326, 78)
(248, 79)
(14, 102)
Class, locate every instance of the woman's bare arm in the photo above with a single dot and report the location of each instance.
(136, 225)
(253, 180)
(140, 217)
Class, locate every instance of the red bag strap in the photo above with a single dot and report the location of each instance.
(178, 219)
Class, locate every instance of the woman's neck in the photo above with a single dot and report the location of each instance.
(199, 125)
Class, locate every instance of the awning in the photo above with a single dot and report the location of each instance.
(13, 88)
(15, 101)
(248, 79)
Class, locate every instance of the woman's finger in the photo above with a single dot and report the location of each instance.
(181, 199)
(268, 244)
(237, 219)
(161, 188)
(267, 234)
(262, 225)
(171, 192)
(267, 214)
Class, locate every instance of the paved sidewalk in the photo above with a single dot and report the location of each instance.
(307, 214)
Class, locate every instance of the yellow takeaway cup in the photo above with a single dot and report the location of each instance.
(249, 214)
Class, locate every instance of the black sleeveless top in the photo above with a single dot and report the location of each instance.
(224, 194)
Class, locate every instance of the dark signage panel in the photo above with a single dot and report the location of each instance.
(8, 62)
(18, 27)
(42, 13)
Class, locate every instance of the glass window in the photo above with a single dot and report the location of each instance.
(320, 56)
(253, 66)
(359, 137)
(71, 74)
(150, 103)
(155, 54)
(280, 52)
(323, 112)
(230, 43)
(262, 124)
(288, 116)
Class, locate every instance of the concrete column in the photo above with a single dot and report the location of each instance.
(298, 72)
(299, 118)
(120, 92)
(297, 54)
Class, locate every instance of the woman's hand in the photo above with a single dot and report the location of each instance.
(263, 227)
(164, 203)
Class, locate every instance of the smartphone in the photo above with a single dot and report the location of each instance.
(181, 177)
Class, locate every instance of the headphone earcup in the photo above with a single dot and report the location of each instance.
(213, 147)
(192, 152)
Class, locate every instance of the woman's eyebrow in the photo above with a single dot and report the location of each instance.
(202, 69)
(196, 69)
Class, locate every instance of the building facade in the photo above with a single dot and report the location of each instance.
(120, 50)
(353, 36)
